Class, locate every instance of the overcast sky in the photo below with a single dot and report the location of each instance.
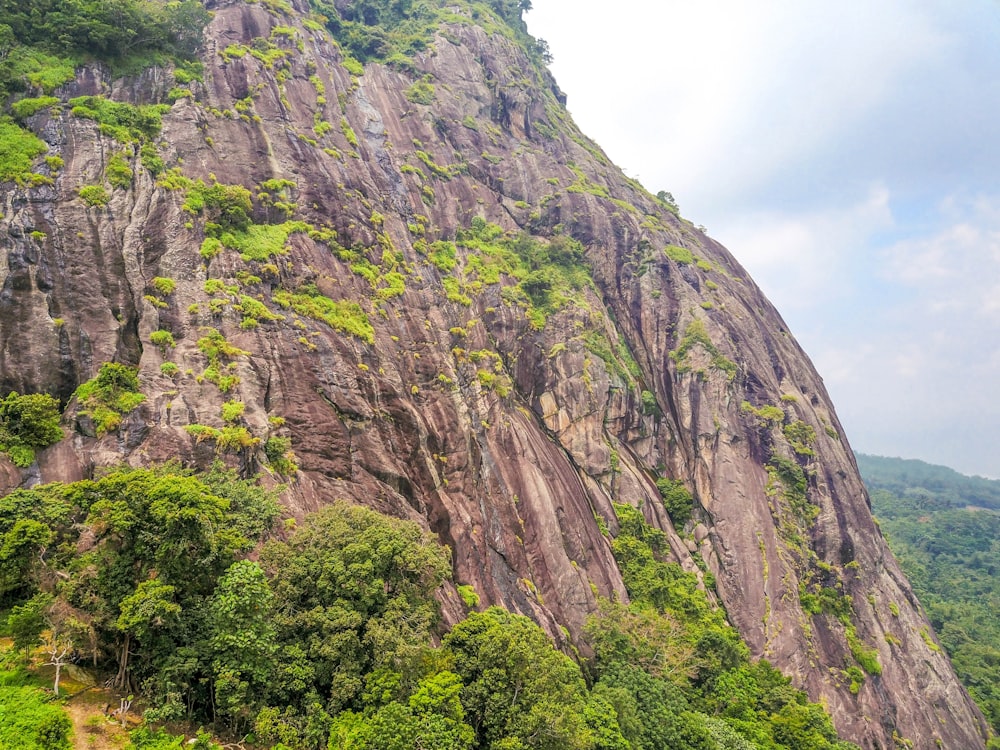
(847, 154)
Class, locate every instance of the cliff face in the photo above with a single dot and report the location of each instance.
(484, 388)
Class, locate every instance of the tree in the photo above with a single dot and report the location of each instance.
(143, 612)
(26, 423)
(27, 621)
(432, 717)
(242, 641)
(653, 713)
(518, 687)
(354, 591)
(639, 635)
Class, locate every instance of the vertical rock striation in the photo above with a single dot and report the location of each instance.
(483, 387)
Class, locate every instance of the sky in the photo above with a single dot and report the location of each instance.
(848, 155)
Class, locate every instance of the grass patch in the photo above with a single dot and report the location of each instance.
(261, 241)
(18, 150)
(342, 315)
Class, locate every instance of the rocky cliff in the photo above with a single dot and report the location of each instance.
(457, 310)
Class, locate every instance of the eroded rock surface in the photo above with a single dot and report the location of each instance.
(509, 439)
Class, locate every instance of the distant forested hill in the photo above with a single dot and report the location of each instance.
(902, 475)
(948, 543)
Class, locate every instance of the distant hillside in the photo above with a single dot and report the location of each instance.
(902, 475)
(951, 554)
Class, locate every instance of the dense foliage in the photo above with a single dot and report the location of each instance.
(35, 35)
(678, 673)
(333, 640)
(28, 720)
(27, 423)
(951, 554)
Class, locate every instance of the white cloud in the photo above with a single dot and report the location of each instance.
(714, 99)
(954, 270)
(805, 260)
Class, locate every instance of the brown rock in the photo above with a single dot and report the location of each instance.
(511, 475)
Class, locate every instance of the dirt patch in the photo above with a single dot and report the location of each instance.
(93, 729)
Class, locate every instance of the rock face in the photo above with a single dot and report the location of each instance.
(507, 433)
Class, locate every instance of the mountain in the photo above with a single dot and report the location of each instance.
(906, 475)
(947, 543)
(363, 249)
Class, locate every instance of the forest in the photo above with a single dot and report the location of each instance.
(332, 636)
(939, 525)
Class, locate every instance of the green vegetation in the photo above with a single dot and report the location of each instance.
(125, 123)
(395, 32)
(262, 241)
(788, 481)
(94, 196)
(767, 414)
(163, 340)
(948, 545)
(118, 172)
(27, 423)
(679, 254)
(30, 720)
(19, 148)
(696, 336)
(677, 501)
(421, 92)
(341, 315)
(546, 275)
(43, 41)
(333, 639)
(280, 456)
(109, 396)
(906, 476)
(677, 672)
(162, 548)
(801, 437)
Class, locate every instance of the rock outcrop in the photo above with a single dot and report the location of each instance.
(482, 387)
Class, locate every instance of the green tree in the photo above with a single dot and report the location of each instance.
(26, 622)
(639, 635)
(653, 713)
(433, 717)
(518, 687)
(143, 613)
(353, 592)
(242, 641)
(32, 419)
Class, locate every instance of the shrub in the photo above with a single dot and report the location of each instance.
(422, 92)
(109, 396)
(677, 501)
(469, 596)
(164, 285)
(123, 122)
(94, 195)
(162, 339)
(232, 411)
(679, 254)
(342, 315)
(150, 159)
(280, 456)
(28, 422)
(27, 107)
(18, 149)
(28, 720)
(118, 172)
